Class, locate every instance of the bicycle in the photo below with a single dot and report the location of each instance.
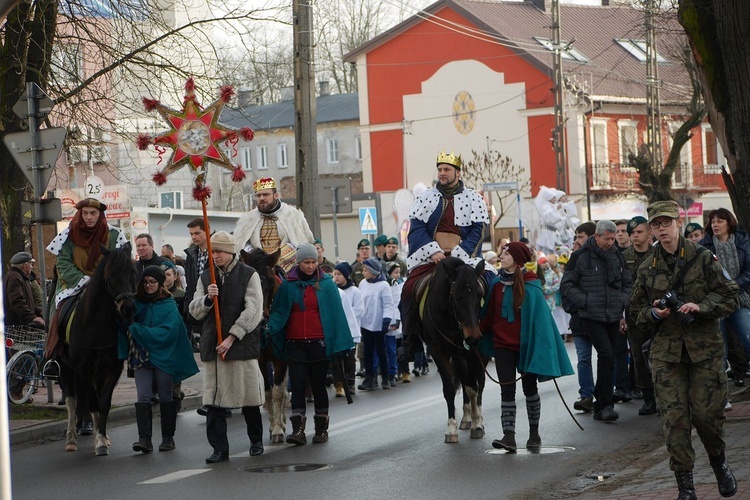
(24, 370)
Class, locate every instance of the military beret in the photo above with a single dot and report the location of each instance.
(665, 208)
(364, 242)
(380, 240)
(693, 226)
(392, 241)
(635, 222)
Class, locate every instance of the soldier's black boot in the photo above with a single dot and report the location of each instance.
(143, 419)
(298, 429)
(686, 489)
(724, 477)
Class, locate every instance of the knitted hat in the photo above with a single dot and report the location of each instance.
(519, 251)
(21, 258)
(222, 241)
(344, 268)
(306, 251)
(154, 272)
(364, 242)
(488, 256)
(693, 226)
(373, 265)
(635, 222)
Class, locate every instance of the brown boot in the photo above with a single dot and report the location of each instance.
(298, 430)
(321, 429)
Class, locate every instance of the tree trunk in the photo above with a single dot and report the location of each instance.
(717, 30)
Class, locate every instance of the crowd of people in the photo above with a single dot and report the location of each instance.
(661, 306)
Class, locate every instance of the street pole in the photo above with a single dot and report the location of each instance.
(558, 136)
(33, 109)
(305, 114)
(653, 105)
(335, 207)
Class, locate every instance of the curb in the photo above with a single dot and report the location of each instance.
(56, 430)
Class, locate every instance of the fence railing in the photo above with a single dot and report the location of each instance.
(620, 177)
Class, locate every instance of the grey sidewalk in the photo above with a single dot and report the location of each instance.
(27, 431)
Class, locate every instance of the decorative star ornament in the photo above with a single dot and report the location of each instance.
(195, 137)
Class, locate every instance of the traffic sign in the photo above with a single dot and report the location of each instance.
(50, 146)
(44, 104)
(500, 186)
(368, 220)
(343, 195)
(50, 210)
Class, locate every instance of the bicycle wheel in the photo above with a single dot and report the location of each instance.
(23, 375)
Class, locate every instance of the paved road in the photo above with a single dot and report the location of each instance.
(389, 444)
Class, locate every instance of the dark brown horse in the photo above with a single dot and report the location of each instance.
(89, 366)
(274, 370)
(447, 321)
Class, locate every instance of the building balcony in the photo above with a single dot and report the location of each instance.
(615, 178)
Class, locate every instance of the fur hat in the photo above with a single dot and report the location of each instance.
(222, 241)
(306, 251)
(519, 251)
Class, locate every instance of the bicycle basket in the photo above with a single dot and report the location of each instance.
(20, 338)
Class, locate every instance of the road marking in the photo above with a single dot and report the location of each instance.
(175, 476)
(385, 414)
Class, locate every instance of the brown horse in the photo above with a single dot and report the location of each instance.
(274, 370)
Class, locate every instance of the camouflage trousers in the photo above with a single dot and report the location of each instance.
(691, 394)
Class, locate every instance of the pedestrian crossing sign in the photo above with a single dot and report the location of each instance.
(368, 220)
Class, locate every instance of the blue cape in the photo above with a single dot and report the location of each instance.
(542, 349)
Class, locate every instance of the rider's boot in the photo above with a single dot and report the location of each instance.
(143, 419)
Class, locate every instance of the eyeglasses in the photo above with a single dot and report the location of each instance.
(664, 223)
(150, 282)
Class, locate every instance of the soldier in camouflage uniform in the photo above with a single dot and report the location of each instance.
(686, 359)
(634, 256)
(363, 253)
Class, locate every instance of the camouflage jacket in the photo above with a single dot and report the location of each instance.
(705, 284)
(633, 261)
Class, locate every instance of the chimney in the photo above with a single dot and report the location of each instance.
(287, 93)
(324, 88)
(543, 5)
(605, 3)
(245, 98)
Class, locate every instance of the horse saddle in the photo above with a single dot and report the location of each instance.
(65, 319)
(421, 289)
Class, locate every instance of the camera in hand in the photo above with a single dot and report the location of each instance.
(672, 302)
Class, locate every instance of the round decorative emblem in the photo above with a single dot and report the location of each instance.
(194, 137)
(463, 112)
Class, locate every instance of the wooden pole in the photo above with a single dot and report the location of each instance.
(210, 263)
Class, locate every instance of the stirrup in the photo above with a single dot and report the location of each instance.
(51, 369)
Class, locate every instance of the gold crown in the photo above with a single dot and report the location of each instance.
(264, 183)
(450, 159)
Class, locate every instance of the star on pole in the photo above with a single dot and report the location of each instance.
(195, 137)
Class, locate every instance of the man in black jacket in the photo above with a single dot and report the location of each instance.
(195, 262)
(598, 284)
(144, 247)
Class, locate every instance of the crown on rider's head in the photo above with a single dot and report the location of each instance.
(264, 183)
(450, 159)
